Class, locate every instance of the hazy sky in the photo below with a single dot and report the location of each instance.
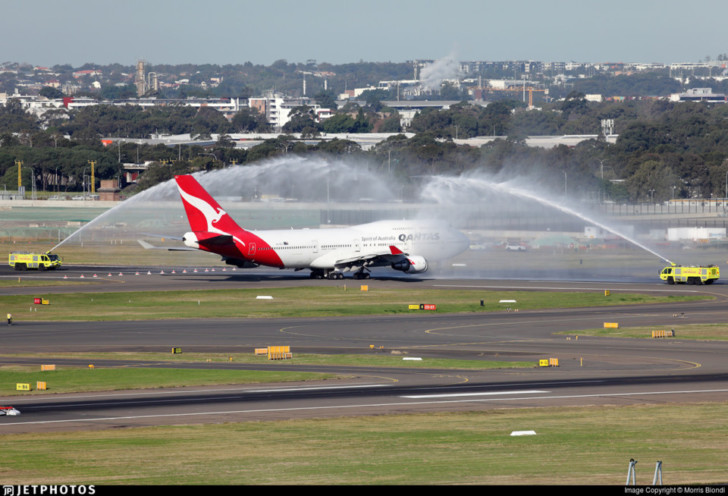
(49, 32)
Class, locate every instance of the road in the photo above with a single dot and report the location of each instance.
(590, 371)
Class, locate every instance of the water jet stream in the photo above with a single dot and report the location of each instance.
(459, 184)
(319, 179)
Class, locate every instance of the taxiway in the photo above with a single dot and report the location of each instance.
(591, 371)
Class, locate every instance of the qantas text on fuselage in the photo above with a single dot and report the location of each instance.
(401, 245)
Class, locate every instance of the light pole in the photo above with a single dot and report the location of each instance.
(92, 188)
(565, 183)
(20, 176)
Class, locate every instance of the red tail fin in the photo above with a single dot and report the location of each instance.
(203, 212)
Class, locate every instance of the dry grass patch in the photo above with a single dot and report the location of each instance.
(574, 446)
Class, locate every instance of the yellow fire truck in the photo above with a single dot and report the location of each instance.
(677, 274)
(41, 261)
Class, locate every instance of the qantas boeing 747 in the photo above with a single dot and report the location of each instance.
(328, 253)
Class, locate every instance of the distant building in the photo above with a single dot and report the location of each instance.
(355, 93)
(109, 190)
(38, 104)
(144, 82)
(408, 109)
(90, 73)
(699, 95)
(276, 108)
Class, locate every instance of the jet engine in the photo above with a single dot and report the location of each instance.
(411, 265)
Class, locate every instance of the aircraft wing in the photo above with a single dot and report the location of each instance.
(372, 259)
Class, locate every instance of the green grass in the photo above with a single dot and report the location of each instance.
(340, 300)
(713, 332)
(571, 447)
(69, 379)
(77, 379)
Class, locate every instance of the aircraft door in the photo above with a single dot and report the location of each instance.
(251, 249)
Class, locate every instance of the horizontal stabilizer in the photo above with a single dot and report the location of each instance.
(149, 246)
(162, 236)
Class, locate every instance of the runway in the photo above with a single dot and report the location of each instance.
(590, 371)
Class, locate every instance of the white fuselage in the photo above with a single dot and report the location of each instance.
(321, 248)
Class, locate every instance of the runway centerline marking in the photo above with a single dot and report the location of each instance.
(457, 395)
(365, 405)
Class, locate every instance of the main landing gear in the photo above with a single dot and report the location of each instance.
(326, 274)
(335, 274)
(362, 274)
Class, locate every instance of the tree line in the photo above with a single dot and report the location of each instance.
(664, 149)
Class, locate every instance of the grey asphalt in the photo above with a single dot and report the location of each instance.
(590, 371)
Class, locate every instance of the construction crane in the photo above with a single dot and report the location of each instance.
(319, 74)
(304, 79)
(530, 94)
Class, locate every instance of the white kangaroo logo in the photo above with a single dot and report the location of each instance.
(211, 214)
